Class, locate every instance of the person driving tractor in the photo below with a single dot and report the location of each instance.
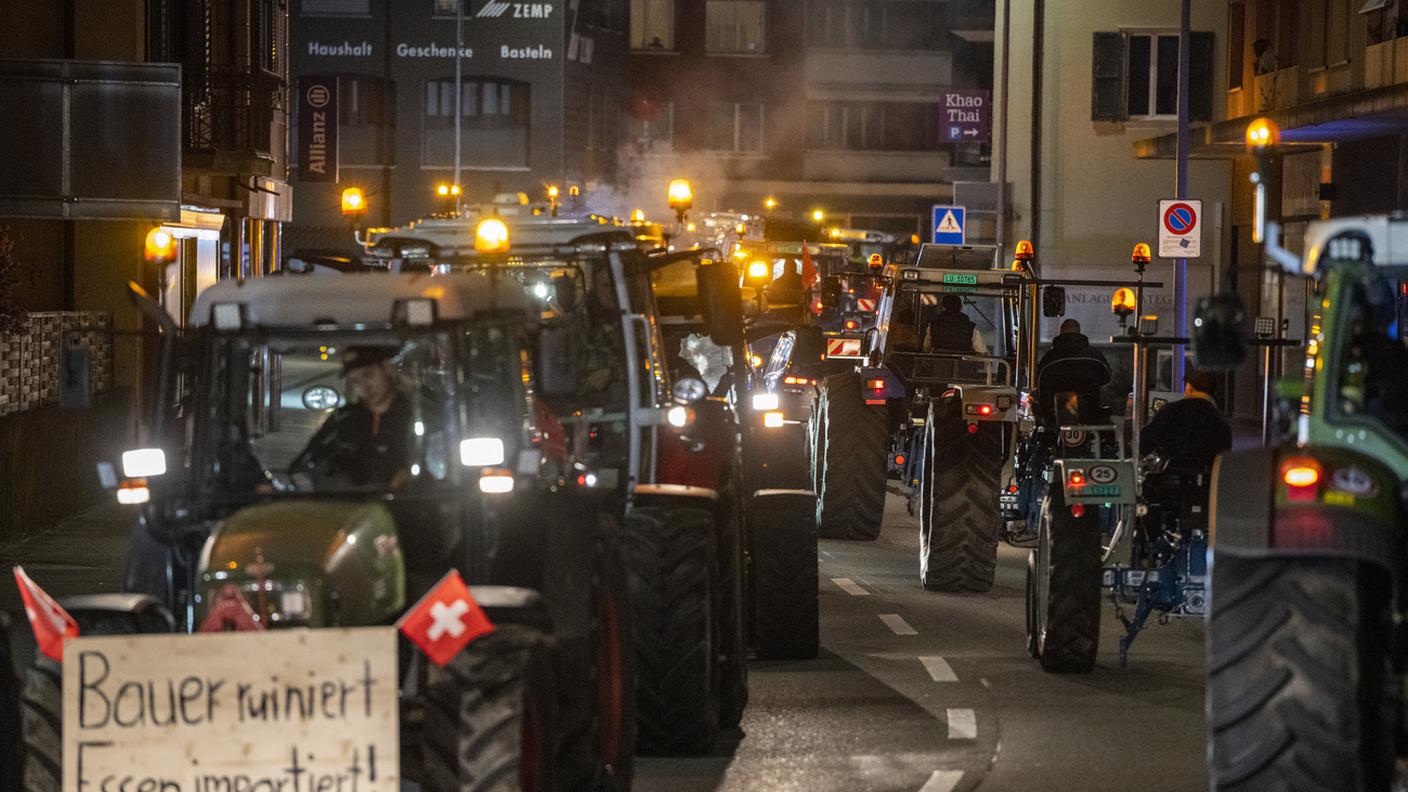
(952, 330)
(364, 443)
(1071, 365)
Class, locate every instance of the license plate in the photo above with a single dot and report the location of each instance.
(958, 277)
(1099, 489)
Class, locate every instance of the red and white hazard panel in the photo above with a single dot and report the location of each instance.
(865, 306)
(843, 347)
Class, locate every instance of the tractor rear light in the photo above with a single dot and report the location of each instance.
(817, 307)
(972, 428)
(876, 385)
(978, 409)
(852, 324)
(1011, 487)
(899, 459)
(1076, 478)
(1302, 478)
(1077, 510)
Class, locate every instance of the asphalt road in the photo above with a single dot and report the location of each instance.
(936, 692)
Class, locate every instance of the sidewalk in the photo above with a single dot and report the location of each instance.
(83, 554)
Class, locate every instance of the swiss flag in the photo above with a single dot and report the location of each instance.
(50, 622)
(445, 620)
(809, 274)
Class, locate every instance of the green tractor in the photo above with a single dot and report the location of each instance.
(1305, 642)
(347, 445)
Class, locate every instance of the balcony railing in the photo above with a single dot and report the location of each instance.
(232, 111)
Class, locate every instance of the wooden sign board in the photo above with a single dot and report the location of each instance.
(284, 711)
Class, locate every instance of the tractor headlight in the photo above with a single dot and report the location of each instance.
(481, 452)
(765, 401)
(143, 463)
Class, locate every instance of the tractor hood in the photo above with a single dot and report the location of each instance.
(308, 563)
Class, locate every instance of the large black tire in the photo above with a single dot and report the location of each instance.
(11, 748)
(786, 616)
(1063, 594)
(852, 443)
(598, 710)
(1300, 694)
(958, 516)
(669, 567)
(489, 717)
(731, 641)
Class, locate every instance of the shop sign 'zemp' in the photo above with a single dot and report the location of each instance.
(291, 710)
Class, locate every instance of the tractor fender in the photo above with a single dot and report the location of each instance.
(1252, 515)
(783, 501)
(99, 614)
(674, 494)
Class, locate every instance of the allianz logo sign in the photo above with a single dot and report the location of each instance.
(496, 10)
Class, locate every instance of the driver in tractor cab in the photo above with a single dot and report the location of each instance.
(1189, 432)
(953, 331)
(1071, 365)
(365, 442)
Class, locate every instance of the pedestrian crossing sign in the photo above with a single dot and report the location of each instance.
(950, 225)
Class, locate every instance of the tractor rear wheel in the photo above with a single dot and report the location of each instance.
(852, 442)
(786, 616)
(1300, 690)
(958, 517)
(1063, 593)
(670, 564)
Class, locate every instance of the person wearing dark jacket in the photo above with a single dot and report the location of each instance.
(953, 331)
(1190, 431)
(1070, 365)
(364, 444)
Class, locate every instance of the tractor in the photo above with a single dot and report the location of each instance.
(664, 449)
(343, 444)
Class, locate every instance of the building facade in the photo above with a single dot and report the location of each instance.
(819, 104)
(541, 87)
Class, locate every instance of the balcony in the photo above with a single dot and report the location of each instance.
(926, 69)
(232, 113)
(876, 166)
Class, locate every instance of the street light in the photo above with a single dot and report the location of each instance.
(818, 215)
(449, 195)
(553, 194)
(681, 197)
(1263, 138)
(770, 203)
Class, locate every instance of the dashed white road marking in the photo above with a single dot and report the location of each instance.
(850, 587)
(897, 625)
(962, 724)
(939, 669)
(942, 781)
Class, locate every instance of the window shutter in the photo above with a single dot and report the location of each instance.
(1107, 98)
(1200, 63)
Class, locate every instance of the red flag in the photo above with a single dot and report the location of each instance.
(445, 620)
(809, 274)
(50, 622)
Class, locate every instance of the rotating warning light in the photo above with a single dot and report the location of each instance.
(1122, 302)
(876, 261)
(1025, 251)
(442, 190)
(1262, 134)
(680, 194)
(1141, 254)
(770, 202)
(553, 192)
(160, 246)
(758, 271)
(637, 216)
(353, 202)
(491, 236)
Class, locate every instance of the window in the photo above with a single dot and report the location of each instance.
(651, 125)
(889, 25)
(1135, 75)
(366, 116)
(653, 24)
(735, 127)
(337, 7)
(873, 126)
(735, 26)
(1236, 43)
(494, 123)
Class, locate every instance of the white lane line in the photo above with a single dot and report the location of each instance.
(897, 625)
(942, 781)
(850, 587)
(939, 669)
(962, 724)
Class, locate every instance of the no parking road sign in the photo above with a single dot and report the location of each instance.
(1180, 229)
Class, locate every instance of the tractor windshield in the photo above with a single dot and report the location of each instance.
(1372, 378)
(933, 325)
(353, 410)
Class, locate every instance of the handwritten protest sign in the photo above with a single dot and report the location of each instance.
(278, 711)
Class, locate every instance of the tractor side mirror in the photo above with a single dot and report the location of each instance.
(1053, 302)
(75, 386)
(559, 366)
(809, 345)
(1219, 333)
(721, 301)
(831, 293)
